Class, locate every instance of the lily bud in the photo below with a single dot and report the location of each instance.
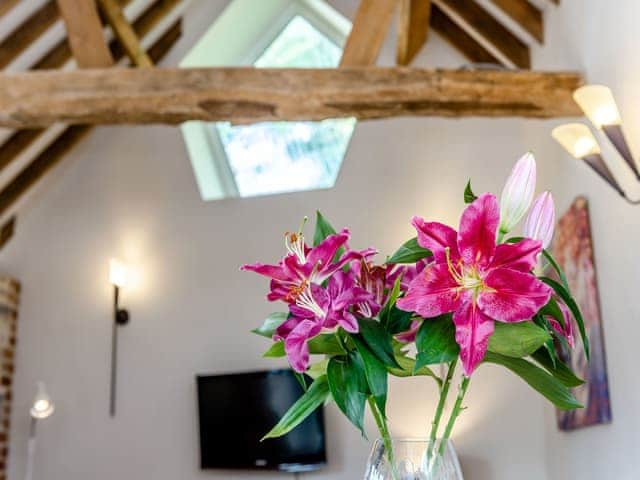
(518, 192)
(541, 220)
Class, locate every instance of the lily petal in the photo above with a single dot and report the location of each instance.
(473, 329)
(512, 296)
(271, 271)
(521, 256)
(324, 252)
(436, 237)
(296, 346)
(477, 233)
(432, 293)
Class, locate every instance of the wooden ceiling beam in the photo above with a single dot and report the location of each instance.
(125, 33)
(52, 155)
(22, 37)
(368, 32)
(85, 33)
(471, 16)
(6, 5)
(525, 14)
(7, 230)
(20, 140)
(249, 95)
(460, 39)
(413, 29)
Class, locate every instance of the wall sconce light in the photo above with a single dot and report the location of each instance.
(598, 104)
(41, 408)
(577, 139)
(119, 276)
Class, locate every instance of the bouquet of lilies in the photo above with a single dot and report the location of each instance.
(469, 296)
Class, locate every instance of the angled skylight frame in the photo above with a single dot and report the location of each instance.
(262, 23)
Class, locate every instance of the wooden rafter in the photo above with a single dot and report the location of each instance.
(20, 140)
(526, 14)
(413, 29)
(7, 229)
(248, 95)
(22, 37)
(52, 155)
(459, 38)
(85, 34)
(6, 5)
(368, 32)
(125, 33)
(470, 15)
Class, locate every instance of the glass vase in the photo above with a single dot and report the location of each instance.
(412, 459)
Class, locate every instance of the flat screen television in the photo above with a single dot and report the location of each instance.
(237, 410)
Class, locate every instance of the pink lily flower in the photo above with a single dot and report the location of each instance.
(318, 310)
(567, 330)
(541, 219)
(303, 266)
(476, 280)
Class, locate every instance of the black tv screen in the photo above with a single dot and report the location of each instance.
(237, 410)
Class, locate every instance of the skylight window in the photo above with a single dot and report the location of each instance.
(277, 157)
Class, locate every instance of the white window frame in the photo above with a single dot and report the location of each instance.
(261, 22)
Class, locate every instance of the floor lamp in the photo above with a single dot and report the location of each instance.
(42, 408)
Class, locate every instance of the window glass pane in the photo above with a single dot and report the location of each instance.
(289, 156)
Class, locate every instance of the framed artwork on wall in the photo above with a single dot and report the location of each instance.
(573, 249)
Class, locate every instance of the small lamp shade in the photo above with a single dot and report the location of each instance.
(42, 406)
(598, 104)
(118, 273)
(577, 139)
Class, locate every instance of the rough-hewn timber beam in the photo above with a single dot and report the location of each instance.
(369, 30)
(413, 29)
(85, 34)
(248, 95)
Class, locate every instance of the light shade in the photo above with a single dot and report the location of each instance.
(577, 139)
(118, 273)
(598, 104)
(42, 405)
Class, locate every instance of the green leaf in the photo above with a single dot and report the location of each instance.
(273, 321)
(469, 196)
(378, 340)
(407, 369)
(323, 229)
(553, 309)
(348, 386)
(566, 297)
(538, 379)
(301, 380)
(318, 369)
(558, 369)
(315, 396)
(376, 374)
(326, 344)
(517, 339)
(409, 252)
(436, 341)
(563, 279)
(276, 350)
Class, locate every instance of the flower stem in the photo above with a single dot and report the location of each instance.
(381, 422)
(444, 392)
(457, 408)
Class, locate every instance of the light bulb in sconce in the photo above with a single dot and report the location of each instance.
(579, 142)
(598, 104)
(119, 274)
(42, 407)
